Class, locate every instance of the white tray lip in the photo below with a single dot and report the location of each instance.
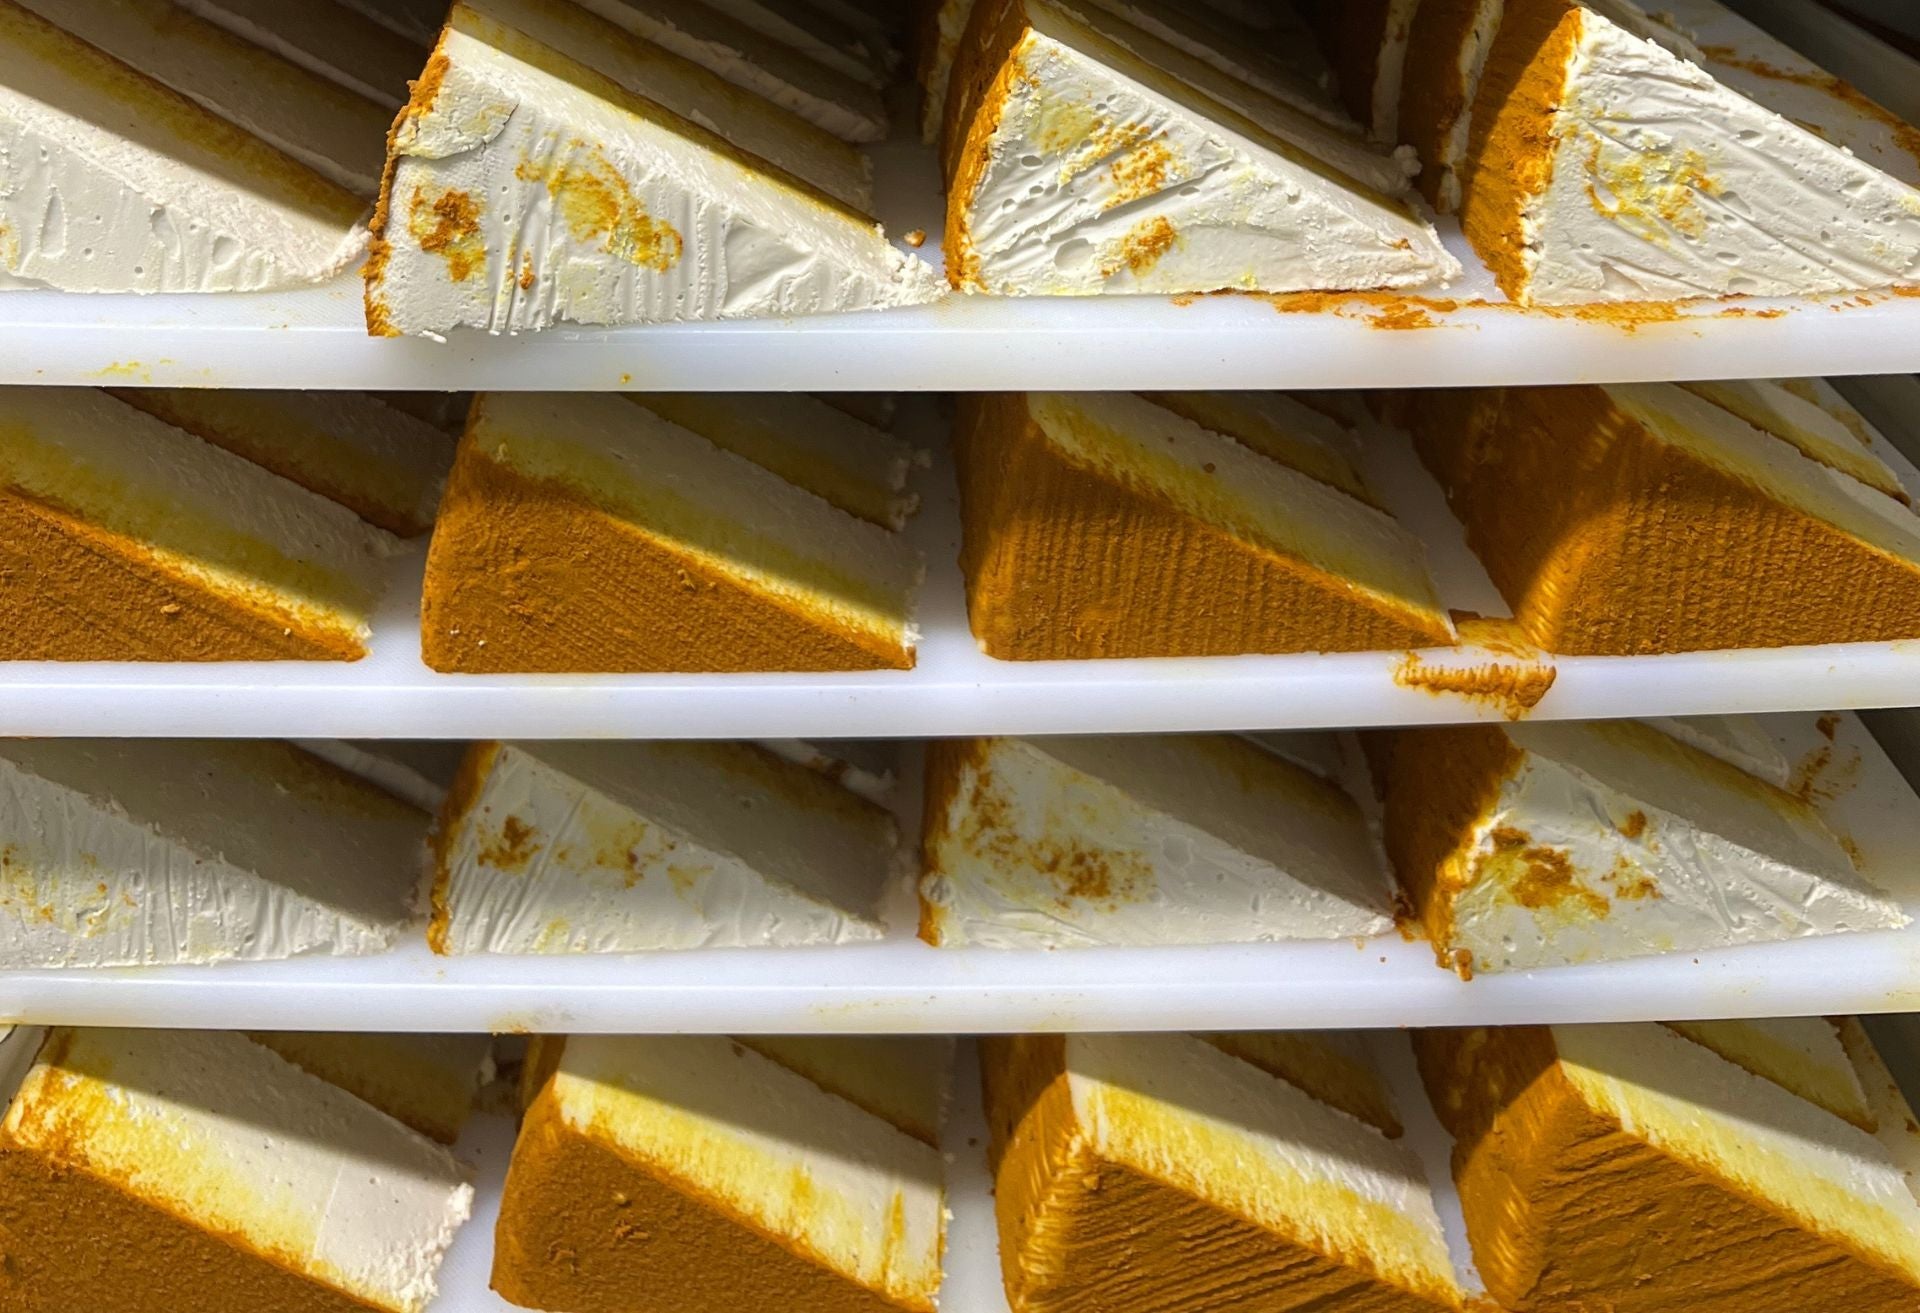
(316, 338)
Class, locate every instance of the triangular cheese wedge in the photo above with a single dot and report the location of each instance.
(173, 1169)
(903, 1080)
(1087, 156)
(1894, 1123)
(1546, 844)
(1639, 518)
(323, 37)
(1627, 1168)
(1601, 166)
(125, 539)
(138, 852)
(1801, 1054)
(1146, 839)
(697, 1165)
(1445, 57)
(944, 27)
(1332, 1066)
(113, 182)
(1279, 428)
(331, 130)
(583, 532)
(349, 447)
(1101, 525)
(427, 1082)
(1820, 435)
(1367, 43)
(684, 197)
(752, 59)
(1141, 1173)
(803, 26)
(619, 848)
(1737, 740)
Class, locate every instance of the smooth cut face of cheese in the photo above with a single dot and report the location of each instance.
(1332, 1066)
(1605, 168)
(1800, 1054)
(1080, 166)
(115, 183)
(427, 1082)
(1279, 428)
(585, 532)
(818, 35)
(1737, 740)
(254, 1178)
(1150, 1172)
(1820, 434)
(902, 1079)
(383, 464)
(609, 848)
(1894, 1123)
(1149, 839)
(328, 128)
(1536, 845)
(128, 539)
(126, 852)
(749, 1180)
(528, 187)
(1763, 1202)
(337, 42)
(1103, 525)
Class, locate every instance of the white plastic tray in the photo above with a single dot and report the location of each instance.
(956, 689)
(317, 338)
(902, 985)
(973, 1283)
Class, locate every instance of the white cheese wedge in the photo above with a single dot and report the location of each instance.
(1819, 434)
(1606, 840)
(1149, 839)
(1333, 1066)
(816, 34)
(1801, 1054)
(127, 852)
(1286, 66)
(427, 1082)
(528, 188)
(1894, 1123)
(217, 1134)
(1279, 428)
(805, 441)
(1738, 740)
(112, 182)
(1274, 1195)
(1660, 181)
(749, 58)
(614, 848)
(1102, 160)
(729, 1149)
(870, 767)
(327, 128)
(903, 1080)
(324, 37)
(877, 409)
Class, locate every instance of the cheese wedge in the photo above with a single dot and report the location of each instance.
(805, 441)
(151, 1169)
(944, 28)
(381, 463)
(621, 848)
(1533, 845)
(1719, 1190)
(904, 1080)
(329, 129)
(869, 767)
(1143, 1173)
(1102, 525)
(626, 186)
(1445, 57)
(1894, 1122)
(1146, 839)
(1601, 166)
(1367, 44)
(585, 532)
(1645, 518)
(337, 42)
(114, 182)
(834, 101)
(148, 852)
(1333, 1067)
(419, 771)
(1279, 428)
(125, 539)
(427, 1082)
(1737, 740)
(698, 1165)
(1803, 1055)
(1087, 156)
(803, 26)
(1820, 435)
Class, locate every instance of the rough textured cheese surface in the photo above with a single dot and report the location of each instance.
(1087, 169)
(110, 182)
(148, 852)
(528, 189)
(1072, 842)
(607, 848)
(226, 1136)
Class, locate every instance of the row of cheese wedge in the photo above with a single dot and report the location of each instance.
(1514, 846)
(1761, 1160)
(763, 532)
